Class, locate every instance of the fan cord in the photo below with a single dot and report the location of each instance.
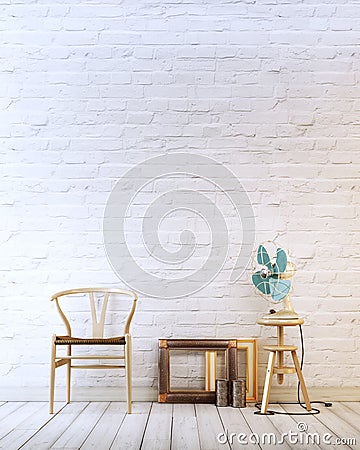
(307, 413)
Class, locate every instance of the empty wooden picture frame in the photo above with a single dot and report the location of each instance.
(250, 347)
(166, 346)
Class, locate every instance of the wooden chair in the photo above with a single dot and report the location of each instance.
(97, 339)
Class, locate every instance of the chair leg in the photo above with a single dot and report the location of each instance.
(68, 377)
(52, 376)
(301, 380)
(128, 371)
(268, 382)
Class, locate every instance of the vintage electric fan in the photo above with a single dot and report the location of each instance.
(272, 278)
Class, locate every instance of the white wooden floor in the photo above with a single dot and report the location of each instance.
(153, 426)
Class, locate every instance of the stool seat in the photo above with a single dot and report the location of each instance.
(280, 348)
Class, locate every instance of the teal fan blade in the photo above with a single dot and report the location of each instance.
(263, 257)
(279, 289)
(260, 283)
(281, 260)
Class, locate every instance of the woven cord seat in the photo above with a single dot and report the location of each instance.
(70, 340)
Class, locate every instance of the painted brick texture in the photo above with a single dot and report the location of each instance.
(270, 88)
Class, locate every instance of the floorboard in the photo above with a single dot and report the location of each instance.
(185, 435)
(27, 428)
(52, 430)
(155, 426)
(354, 406)
(132, 429)
(9, 408)
(104, 432)
(234, 422)
(261, 424)
(12, 420)
(210, 427)
(339, 426)
(292, 429)
(313, 430)
(75, 435)
(158, 431)
(347, 414)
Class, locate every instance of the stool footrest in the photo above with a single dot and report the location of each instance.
(280, 348)
(285, 370)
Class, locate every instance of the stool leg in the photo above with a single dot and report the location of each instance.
(268, 382)
(280, 365)
(301, 379)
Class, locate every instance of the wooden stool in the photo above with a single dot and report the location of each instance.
(280, 369)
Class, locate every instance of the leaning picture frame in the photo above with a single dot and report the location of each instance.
(167, 346)
(250, 348)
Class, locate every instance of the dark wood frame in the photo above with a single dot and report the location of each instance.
(166, 395)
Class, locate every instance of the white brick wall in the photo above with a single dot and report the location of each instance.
(268, 87)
